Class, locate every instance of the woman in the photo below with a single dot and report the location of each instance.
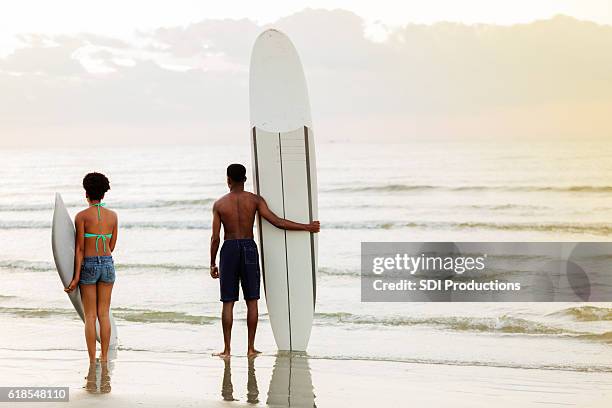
(94, 271)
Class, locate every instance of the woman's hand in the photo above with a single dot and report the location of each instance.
(71, 287)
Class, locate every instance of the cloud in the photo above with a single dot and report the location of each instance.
(186, 84)
(230, 38)
(41, 55)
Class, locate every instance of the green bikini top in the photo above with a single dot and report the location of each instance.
(99, 237)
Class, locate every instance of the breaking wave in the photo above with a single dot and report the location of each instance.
(587, 313)
(395, 188)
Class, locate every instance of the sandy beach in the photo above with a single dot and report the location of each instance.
(188, 379)
(159, 380)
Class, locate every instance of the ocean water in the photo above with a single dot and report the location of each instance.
(165, 301)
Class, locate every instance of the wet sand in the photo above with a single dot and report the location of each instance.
(141, 378)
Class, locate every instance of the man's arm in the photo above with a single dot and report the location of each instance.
(215, 239)
(264, 211)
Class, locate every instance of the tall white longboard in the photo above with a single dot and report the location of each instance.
(284, 173)
(62, 241)
(291, 383)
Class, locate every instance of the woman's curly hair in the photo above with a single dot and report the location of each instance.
(95, 185)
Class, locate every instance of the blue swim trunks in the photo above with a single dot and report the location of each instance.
(239, 264)
(96, 269)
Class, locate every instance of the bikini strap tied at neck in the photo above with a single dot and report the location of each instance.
(99, 205)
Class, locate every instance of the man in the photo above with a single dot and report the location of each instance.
(239, 260)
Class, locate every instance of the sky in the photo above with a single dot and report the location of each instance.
(117, 17)
(141, 71)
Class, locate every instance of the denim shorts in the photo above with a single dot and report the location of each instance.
(239, 266)
(97, 269)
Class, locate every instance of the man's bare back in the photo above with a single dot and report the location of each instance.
(237, 211)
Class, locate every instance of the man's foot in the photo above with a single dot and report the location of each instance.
(253, 353)
(223, 354)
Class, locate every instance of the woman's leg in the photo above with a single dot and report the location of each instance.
(104, 298)
(88, 297)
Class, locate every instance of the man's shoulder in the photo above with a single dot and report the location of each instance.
(221, 200)
(254, 197)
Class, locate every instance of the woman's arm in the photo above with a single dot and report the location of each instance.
(79, 248)
(113, 241)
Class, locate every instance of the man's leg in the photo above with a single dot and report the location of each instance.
(250, 288)
(229, 267)
(252, 318)
(227, 319)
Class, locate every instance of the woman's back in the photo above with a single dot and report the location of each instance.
(99, 230)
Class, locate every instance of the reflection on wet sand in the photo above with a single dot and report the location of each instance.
(227, 388)
(98, 378)
(291, 382)
(252, 389)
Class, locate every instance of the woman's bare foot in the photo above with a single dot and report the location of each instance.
(223, 354)
(253, 353)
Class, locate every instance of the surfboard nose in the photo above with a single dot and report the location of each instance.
(277, 86)
(273, 31)
(59, 203)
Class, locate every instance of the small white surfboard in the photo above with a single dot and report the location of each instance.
(62, 241)
(285, 176)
